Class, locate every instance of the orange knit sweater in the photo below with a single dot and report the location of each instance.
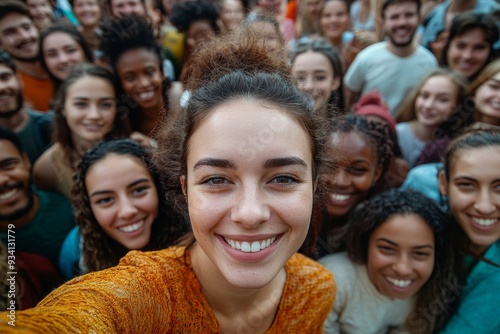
(158, 292)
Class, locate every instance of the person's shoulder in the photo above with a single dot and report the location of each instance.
(339, 264)
(423, 52)
(308, 270)
(169, 258)
(375, 47)
(437, 14)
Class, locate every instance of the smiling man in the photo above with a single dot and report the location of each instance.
(38, 220)
(19, 37)
(394, 66)
(34, 129)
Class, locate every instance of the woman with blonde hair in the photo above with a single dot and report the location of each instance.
(425, 109)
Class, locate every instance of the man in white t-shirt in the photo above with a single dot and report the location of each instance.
(392, 67)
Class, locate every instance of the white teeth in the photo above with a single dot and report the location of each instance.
(252, 247)
(146, 95)
(340, 197)
(8, 194)
(131, 227)
(484, 222)
(399, 283)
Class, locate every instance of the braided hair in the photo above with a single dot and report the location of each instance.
(99, 249)
(376, 133)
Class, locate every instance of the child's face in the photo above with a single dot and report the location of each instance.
(249, 189)
(315, 77)
(401, 256)
(473, 192)
(436, 100)
(357, 171)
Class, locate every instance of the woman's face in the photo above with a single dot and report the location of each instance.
(487, 101)
(357, 170)
(88, 12)
(141, 77)
(90, 109)
(401, 254)
(315, 77)
(232, 14)
(61, 52)
(473, 192)
(334, 20)
(41, 12)
(249, 189)
(123, 199)
(468, 52)
(436, 100)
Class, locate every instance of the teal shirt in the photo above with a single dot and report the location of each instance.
(45, 234)
(478, 311)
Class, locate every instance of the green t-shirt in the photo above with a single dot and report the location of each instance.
(45, 234)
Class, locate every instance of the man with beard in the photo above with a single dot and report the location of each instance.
(19, 37)
(392, 67)
(32, 128)
(38, 220)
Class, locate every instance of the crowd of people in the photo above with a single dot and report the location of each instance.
(226, 166)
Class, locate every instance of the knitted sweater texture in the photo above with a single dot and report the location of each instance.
(158, 292)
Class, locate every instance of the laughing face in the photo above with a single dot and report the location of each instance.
(473, 192)
(401, 256)
(487, 101)
(357, 171)
(19, 37)
(436, 100)
(61, 52)
(141, 77)
(249, 190)
(16, 198)
(401, 22)
(90, 109)
(123, 199)
(11, 95)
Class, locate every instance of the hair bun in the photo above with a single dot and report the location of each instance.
(243, 52)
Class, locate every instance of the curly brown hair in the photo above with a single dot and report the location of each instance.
(100, 251)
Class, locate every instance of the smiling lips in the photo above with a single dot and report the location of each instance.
(5, 195)
(250, 247)
(399, 282)
(132, 227)
(484, 223)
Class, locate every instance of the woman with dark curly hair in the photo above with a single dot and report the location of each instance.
(399, 264)
(240, 163)
(130, 48)
(119, 206)
(358, 154)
